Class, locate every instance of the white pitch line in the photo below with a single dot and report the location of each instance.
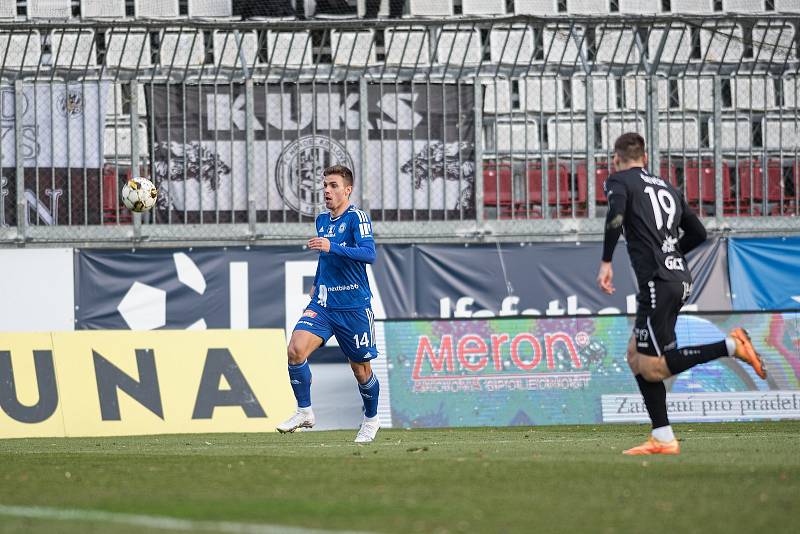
(156, 522)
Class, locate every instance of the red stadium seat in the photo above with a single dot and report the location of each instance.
(699, 181)
(497, 187)
(556, 194)
(601, 174)
(111, 201)
(751, 181)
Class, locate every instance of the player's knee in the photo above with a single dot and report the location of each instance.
(296, 354)
(361, 372)
(653, 373)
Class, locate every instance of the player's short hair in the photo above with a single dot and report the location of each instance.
(629, 146)
(341, 170)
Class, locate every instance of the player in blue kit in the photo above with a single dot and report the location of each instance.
(340, 304)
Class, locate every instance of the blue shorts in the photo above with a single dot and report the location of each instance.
(354, 329)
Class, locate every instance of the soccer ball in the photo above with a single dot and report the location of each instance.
(139, 194)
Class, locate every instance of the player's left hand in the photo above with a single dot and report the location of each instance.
(605, 277)
(319, 243)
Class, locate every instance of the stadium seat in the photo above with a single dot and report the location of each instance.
(228, 45)
(677, 45)
(774, 42)
(128, 49)
(699, 182)
(430, 8)
(113, 211)
(181, 48)
(696, 93)
(640, 7)
(635, 93)
(156, 8)
(667, 171)
(511, 45)
(536, 7)
(122, 99)
(103, 9)
(787, 6)
(790, 89)
(691, 6)
(407, 47)
(563, 43)
(289, 49)
(117, 141)
(517, 137)
(483, 7)
(587, 7)
(558, 193)
(23, 49)
(780, 133)
(74, 49)
(613, 127)
(459, 46)
(210, 8)
(8, 10)
(751, 185)
(353, 48)
(604, 90)
(756, 92)
(543, 93)
(679, 135)
(743, 6)
(615, 45)
(497, 97)
(737, 133)
(722, 43)
(498, 187)
(564, 135)
(49, 9)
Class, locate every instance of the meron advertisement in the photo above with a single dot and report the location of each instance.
(572, 370)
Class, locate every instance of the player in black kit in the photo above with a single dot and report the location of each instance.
(650, 212)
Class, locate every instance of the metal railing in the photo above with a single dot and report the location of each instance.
(496, 127)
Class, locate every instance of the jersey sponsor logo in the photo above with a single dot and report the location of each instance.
(309, 313)
(297, 175)
(669, 244)
(674, 264)
(348, 287)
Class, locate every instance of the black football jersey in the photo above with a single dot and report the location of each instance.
(654, 211)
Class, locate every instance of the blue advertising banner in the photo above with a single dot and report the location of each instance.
(572, 370)
(765, 273)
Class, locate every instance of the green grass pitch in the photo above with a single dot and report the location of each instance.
(742, 477)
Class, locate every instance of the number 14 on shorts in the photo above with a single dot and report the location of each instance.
(362, 341)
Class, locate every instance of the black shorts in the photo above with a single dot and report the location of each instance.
(658, 302)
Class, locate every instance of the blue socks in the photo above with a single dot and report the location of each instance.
(300, 378)
(369, 394)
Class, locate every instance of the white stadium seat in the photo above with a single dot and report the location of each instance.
(122, 98)
(20, 49)
(117, 141)
(679, 134)
(511, 45)
(497, 97)
(544, 93)
(614, 45)
(790, 88)
(511, 137)
(73, 49)
(430, 8)
(483, 7)
(635, 93)
(691, 6)
(604, 93)
(773, 42)
(780, 133)
(181, 48)
(736, 132)
(407, 47)
(613, 127)
(156, 8)
(787, 6)
(103, 9)
(677, 46)
(560, 43)
(757, 92)
(536, 7)
(353, 48)
(743, 6)
(457, 46)
(210, 8)
(228, 46)
(587, 7)
(8, 9)
(722, 44)
(290, 49)
(49, 9)
(565, 135)
(640, 7)
(128, 49)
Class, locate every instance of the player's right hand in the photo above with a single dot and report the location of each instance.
(605, 277)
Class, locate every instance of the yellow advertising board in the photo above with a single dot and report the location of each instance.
(111, 383)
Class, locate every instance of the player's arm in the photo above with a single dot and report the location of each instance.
(617, 198)
(364, 246)
(694, 232)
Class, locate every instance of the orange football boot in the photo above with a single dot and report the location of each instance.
(746, 352)
(653, 446)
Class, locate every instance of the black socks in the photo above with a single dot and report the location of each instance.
(655, 400)
(679, 360)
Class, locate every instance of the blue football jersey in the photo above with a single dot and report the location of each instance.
(341, 280)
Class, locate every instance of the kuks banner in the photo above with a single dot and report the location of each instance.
(419, 145)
